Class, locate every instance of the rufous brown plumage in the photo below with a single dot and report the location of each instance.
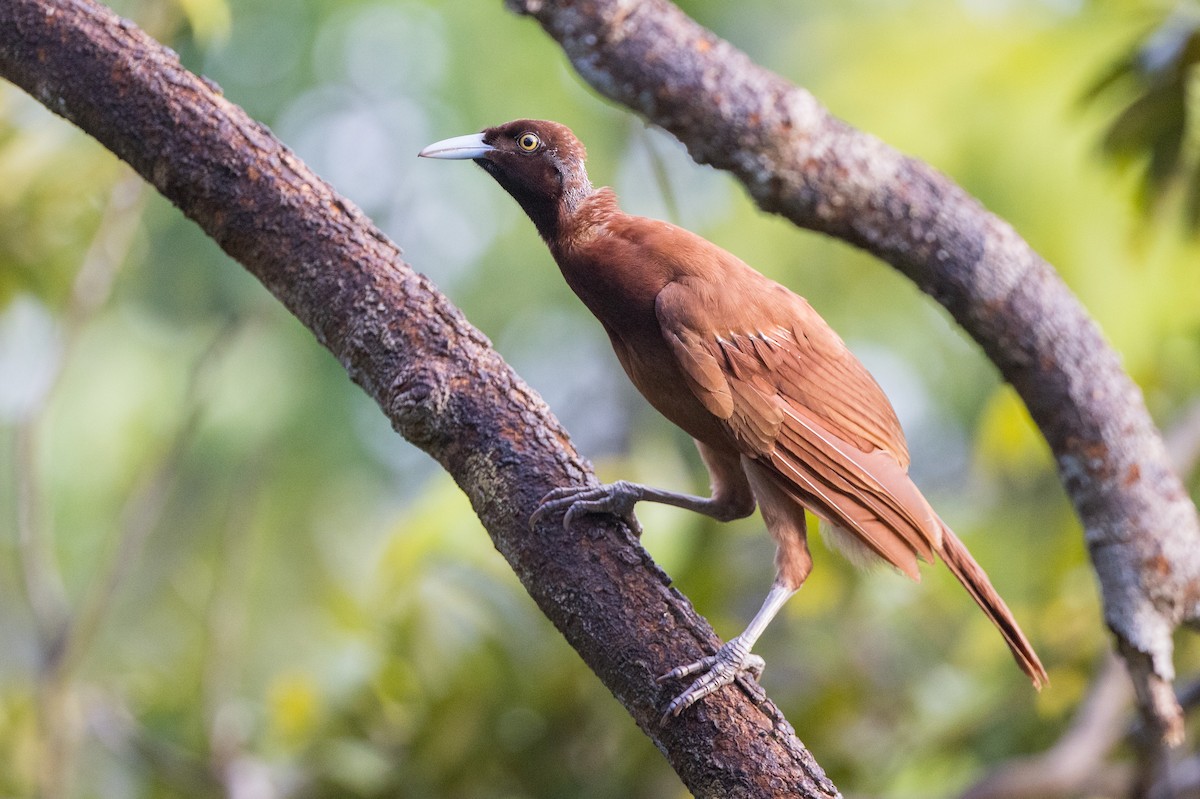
(783, 414)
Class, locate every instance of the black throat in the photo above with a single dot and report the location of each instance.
(548, 199)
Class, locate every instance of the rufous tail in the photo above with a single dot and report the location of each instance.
(976, 581)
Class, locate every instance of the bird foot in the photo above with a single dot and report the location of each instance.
(616, 498)
(730, 661)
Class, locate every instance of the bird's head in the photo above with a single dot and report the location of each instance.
(540, 163)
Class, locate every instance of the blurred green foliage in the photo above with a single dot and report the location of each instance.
(269, 593)
(1155, 134)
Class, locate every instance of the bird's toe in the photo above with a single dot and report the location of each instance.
(617, 499)
(716, 671)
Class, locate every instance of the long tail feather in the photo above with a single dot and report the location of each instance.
(976, 581)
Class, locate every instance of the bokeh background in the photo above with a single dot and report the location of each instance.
(221, 573)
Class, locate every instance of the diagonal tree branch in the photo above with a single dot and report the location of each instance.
(797, 160)
(433, 374)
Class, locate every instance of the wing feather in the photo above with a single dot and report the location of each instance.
(702, 372)
(793, 397)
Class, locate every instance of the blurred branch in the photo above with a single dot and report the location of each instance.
(797, 160)
(64, 633)
(111, 723)
(224, 617)
(434, 375)
(141, 513)
(1075, 765)
(36, 563)
(44, 586)
(42, 580)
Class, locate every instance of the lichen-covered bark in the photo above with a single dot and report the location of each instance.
(797, 160)
(432, 373)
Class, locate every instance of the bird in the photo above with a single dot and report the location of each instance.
(784, 416)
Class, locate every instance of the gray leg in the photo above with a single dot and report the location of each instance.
(732, 659)
(731, 497)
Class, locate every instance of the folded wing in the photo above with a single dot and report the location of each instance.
(794, 398)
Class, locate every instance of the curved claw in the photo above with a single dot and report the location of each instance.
(716, 671)
(616, 498)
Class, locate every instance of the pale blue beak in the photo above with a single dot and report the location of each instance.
(460, 148)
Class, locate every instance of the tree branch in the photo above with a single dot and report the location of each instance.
(434, 375)
(797, 160)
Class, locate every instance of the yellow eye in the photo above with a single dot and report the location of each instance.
(529, 142)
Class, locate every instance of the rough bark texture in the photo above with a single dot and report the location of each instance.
(797, 160)
(431, 372)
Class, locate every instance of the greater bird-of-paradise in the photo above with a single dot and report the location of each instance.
(782, 412)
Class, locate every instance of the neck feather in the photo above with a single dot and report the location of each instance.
(553, 216)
